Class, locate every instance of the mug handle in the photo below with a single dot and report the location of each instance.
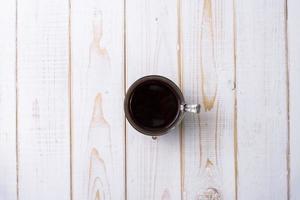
(192, 108)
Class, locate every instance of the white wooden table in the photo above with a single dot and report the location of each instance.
(64, 69)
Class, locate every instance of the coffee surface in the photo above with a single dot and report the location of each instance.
(154, 105)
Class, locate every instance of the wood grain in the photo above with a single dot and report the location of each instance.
(207, 54)
(97, 100)
(64, 66)
(261, 100)
(293, 28)
(43, 115)
(153, 166)
(8, 177)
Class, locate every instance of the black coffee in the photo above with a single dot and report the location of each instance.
(154, 105)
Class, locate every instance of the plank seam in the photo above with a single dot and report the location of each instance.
(235, 131)
(125, 86)
(180, 80)
(287, 96)
(17, 95)
(70, 98)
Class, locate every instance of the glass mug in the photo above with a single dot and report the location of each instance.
(154, 105)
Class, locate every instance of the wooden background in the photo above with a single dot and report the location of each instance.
(64, 69)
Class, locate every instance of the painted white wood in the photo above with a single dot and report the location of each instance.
(153, 166)
(43, 108)
(8, 178)
(261, 99)
(98, 126)
(200, 59)
(208, 78)
(294, 88)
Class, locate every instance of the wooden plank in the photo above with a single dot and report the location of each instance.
(294, 88)
(261, 99)
(98, 137)
(8, 178)
(43, 109)
(153, 166)
(207, 59)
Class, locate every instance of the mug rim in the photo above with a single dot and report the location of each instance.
(173, 87)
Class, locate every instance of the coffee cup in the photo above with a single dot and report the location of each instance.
(154, 105)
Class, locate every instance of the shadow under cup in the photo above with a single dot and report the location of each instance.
(154, 105)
